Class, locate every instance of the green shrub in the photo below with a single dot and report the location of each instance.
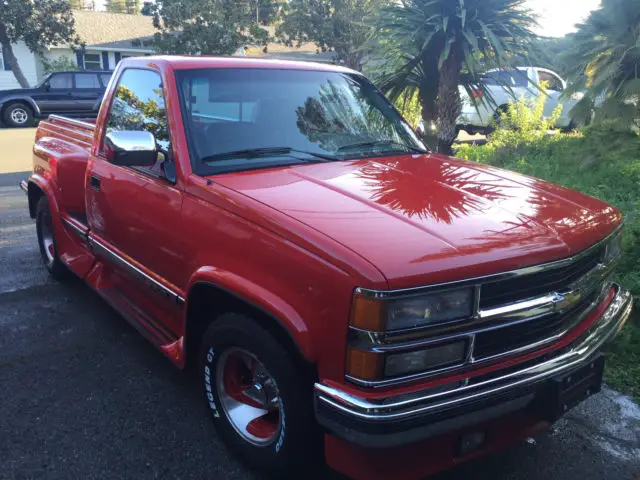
(523, 122)
(60, 64)
(603, 162)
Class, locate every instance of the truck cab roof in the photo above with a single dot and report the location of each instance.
(179, 62)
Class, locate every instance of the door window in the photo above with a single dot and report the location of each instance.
(87, 80)
(553, 82)
(138, 104)
(60, 81)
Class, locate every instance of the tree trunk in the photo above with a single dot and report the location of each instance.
(427, 97)
(352, 60)
(13, 61)
(448, 103)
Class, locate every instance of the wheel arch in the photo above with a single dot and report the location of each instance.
(34, 193)
(28, 101)
(207, 299)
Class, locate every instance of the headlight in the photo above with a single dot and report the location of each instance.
(429, 309)
(411, 312)
(613, 248)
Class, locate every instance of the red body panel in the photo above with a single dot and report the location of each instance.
(296, 241)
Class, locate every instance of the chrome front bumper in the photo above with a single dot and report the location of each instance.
(402, 419)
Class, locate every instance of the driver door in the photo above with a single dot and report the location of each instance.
(136, 211)
(56, 95)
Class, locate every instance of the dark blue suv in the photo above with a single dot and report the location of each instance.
(72, 94)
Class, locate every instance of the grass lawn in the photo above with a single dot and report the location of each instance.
(606, 165)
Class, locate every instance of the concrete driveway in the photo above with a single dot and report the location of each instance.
(15, 149)
(83, 395)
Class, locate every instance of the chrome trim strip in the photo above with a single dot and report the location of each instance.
(487, 278)
(548, 301)
(72, 121)
(97, 246)
(401, 407)
(76, 228)
(24, 186)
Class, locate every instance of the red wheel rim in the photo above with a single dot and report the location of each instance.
(249, 396)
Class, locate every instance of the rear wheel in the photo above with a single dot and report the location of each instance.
(260, 401)
(18, 115)
(47, 241)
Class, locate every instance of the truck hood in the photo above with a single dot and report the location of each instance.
(422, 219)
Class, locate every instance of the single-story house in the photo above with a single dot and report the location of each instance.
(108, 37)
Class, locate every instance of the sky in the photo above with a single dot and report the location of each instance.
(558, 17)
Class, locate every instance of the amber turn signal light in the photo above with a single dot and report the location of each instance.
(364, 365)
(368, 313)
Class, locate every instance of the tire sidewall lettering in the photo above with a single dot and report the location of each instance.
(208, 367)
(283, 427)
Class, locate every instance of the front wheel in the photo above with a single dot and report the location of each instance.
(18, 115)
(260, 401)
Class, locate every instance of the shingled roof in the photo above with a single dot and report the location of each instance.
(114, 30)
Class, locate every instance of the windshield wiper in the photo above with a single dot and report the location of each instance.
(376, 143)
(266, 152)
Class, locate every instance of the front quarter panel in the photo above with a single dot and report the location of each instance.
(304, 293)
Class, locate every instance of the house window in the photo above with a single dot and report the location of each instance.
(4, 60)
(92, 61)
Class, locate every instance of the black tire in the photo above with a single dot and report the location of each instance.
(296, 444)
(47, 242)
(18, 115)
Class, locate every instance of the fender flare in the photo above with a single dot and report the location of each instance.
(22, 98)
(41, 183)
(263, 300)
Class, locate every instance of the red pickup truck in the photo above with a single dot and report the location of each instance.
(341, 290)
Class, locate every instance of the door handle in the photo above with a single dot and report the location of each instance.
(94, 182)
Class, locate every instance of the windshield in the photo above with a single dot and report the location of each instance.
(239, 119)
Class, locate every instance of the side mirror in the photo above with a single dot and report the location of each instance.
(47, 87)
(131, 148)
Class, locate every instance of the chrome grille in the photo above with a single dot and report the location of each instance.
(552, 280)
(495, 342)
(515, 313)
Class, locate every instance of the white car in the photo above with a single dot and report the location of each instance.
(508, 85)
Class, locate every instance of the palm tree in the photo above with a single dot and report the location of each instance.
(605, 60)
(425, 45)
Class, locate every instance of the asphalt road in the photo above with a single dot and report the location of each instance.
(83, 395)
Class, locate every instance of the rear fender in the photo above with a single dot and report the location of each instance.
(262, 299)
(70, 248)
(66, 164)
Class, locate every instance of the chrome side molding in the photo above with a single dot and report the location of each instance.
(100, 248)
